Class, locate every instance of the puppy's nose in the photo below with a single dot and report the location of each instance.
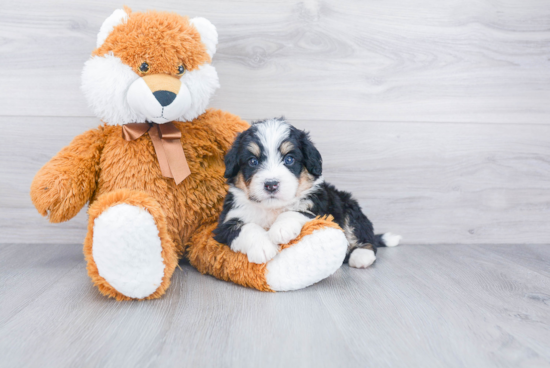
(271, 186)
(165, 98)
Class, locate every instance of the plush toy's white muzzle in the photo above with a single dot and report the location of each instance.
(161, 98)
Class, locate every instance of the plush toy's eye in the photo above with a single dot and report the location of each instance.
(289, 160)
(144, 67)
(253, 161)
(181, 69)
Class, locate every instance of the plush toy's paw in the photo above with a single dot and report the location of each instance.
(48, 195)
(129, 252)
(287, 227)
(58, 195)
(316, 254)
(254, 241)
(361, 258)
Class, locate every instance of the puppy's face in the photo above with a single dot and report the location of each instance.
(273, 163)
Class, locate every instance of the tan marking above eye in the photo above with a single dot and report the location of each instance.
(254, 149)
(286, 147)
(162, 82)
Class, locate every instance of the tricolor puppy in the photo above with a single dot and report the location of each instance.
(274, 173)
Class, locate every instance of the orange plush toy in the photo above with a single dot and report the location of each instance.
(153, 172)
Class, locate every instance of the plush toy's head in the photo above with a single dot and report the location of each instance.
(151, 66)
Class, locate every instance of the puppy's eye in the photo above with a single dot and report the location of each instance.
(144, 67)
(289, 160)
(181, 69)
(253, 161)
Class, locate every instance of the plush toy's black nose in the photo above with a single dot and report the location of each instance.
(271, 186)
(165, 98)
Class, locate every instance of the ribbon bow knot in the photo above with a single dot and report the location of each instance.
(166, 140)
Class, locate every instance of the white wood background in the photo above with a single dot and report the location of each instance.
(434, 113)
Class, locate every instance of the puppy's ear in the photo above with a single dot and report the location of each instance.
(312, 158)
(232, 165)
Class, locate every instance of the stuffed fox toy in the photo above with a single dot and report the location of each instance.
(152, 173)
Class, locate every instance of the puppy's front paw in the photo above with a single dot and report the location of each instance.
(255, 243)
(284, 231)
(262, 251)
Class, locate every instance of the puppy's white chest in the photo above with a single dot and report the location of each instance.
(254, 214)
(266, 218)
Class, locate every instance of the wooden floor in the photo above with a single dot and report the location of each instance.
(418, 306)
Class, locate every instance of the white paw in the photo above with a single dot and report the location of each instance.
(361, 258)
(255, 243)
(287, 227)
(282, 232)
(391, 240)
(262, 251)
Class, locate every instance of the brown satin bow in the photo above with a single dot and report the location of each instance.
(166, 140)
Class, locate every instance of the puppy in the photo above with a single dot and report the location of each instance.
(275, 182)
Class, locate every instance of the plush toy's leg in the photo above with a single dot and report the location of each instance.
(314, 255)
(129, 252)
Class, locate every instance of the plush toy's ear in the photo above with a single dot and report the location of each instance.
(209, 35)
(119, 16)
(312, 158)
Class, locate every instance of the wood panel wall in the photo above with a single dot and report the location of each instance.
(434, 113)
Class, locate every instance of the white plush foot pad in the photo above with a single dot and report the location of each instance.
(127, 250)
(361, 258)
(315, 258)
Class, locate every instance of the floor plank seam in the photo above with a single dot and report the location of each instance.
(49, 286)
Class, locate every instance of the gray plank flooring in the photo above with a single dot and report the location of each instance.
(418, 306)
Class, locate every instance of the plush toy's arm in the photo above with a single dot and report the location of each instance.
(64, 185)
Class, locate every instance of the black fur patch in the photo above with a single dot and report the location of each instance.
(330, 201)
(305, 154)
(227, 231)
(311, 158)
(237, 158)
